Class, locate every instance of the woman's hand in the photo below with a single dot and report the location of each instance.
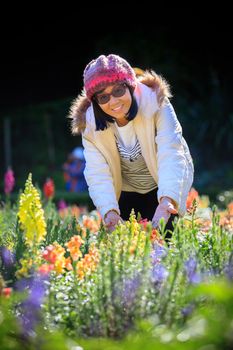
(163, 210)
(111, 219)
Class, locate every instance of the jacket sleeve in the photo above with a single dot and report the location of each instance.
(175, 164)
(99, 179)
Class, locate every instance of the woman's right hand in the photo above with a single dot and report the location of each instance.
(111, 219)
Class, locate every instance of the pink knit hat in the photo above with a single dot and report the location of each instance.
(107, 70)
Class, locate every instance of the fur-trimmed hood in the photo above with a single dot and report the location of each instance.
(80, 105)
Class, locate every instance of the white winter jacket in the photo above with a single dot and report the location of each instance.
(160, 136)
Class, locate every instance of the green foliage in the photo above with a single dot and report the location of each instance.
(8, 225)
(9, 327)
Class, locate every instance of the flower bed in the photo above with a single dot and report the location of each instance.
(67, 283)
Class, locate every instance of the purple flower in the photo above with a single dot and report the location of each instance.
(30, 308)
(37, 291)
(126, 292)
(130, 289)
(9, 181)
(191, 271)
(23, 284)
(8, 258)
(158, 253)
(186, 311)
(159, 274)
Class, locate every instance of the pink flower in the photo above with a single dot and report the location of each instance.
(62, 204)
(9, 181)
(144, 223)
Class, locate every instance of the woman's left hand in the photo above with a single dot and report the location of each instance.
(163, 210)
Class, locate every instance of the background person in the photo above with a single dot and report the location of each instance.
(73, 171)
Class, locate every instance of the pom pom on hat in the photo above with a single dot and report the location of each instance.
(107, 70)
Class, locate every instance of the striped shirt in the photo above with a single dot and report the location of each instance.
(135, 174)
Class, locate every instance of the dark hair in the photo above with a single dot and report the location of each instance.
(101, 118)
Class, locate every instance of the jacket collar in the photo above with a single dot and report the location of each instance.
(82, 114)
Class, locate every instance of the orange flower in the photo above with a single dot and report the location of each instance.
(230, 208)
(73, 210)
(226, 220)
(44, 269)
(132, 248)
(193, 194)
(91, 224)
(74, 247)
(155, 236)
(68, 264)
(88, 263)
(52, 252)
(80, 270)
(49, 188)
(63, 212)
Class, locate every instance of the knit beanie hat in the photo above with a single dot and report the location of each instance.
(107, 70)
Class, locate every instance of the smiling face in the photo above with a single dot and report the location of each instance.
(118, 103)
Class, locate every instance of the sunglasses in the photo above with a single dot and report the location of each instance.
(117, 91)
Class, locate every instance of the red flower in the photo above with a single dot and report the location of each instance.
(143, 223)
(6, 292)
(49, 188)
(155, 235)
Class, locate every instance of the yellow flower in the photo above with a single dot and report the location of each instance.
(31, 214)
(26, 265)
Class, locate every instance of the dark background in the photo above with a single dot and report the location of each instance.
(43, 59)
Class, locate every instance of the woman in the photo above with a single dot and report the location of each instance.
(135, 154)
